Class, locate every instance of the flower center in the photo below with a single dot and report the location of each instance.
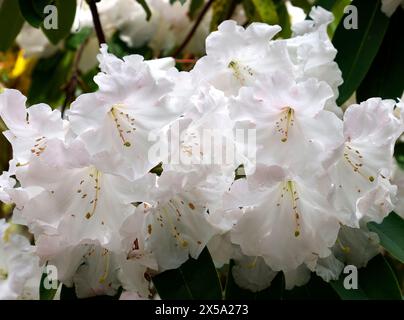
(355, 160)
(173, 206)
(39, 147)
(95, 181)
(240, 71)
(288, 189)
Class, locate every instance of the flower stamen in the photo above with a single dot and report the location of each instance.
(285, 122)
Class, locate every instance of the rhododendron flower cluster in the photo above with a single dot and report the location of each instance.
(109, 207)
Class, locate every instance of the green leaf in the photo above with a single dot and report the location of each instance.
(385, 77)
(45, 294)
(284, 19)
(48, 78)
(357, 48)
(74, 41)
(39, 6)
(261, 11)
(266, 11)
(391, 234)
(234, 292)
(194, 8)
(375, 281)
(30, 13)
(222, 10)
(145, 8)
(11, 22)
(66, 10)
(195, 279)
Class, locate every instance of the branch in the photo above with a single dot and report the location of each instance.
(96, 21)
(194, 28)
(71, 86)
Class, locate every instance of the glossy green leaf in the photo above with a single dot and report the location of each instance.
(11, 22)
(234, 292)
(146, 8)
(46, 294)
(375, 281)
(195, 279)
(357, 48)
(66, 12)
(391, 234)
(385, 77)
(30, 13)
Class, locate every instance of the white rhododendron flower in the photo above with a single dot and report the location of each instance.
(285, 219)
(361, 175)
(289, 116)
(313, 54)
(29, 129)
(77, 200)
(354, 246)
(177, 224)
(117, 120)
(19, 267)
(252, 273)
(246, 154)
(235, 56)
